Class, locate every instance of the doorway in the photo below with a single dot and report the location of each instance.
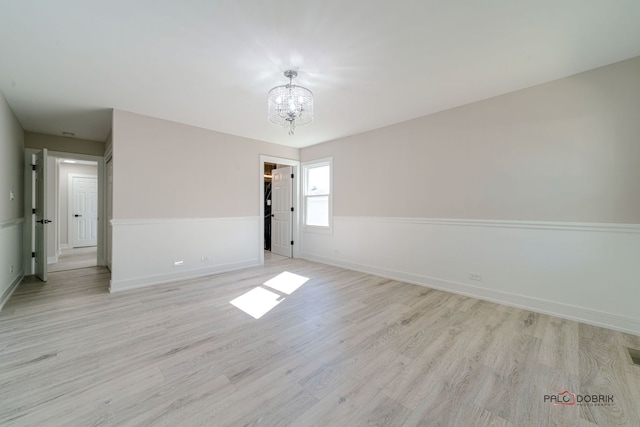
(279, 207)
(74, 214)
(74, 202)
(279, 223)
(268, 180)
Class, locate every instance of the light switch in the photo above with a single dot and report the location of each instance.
(268, 202)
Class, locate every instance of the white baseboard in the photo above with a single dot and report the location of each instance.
(157, 279)
(12, 257)
(146, 251)
(580, 271)
(52, 259)
(565, 311)
(12, 287)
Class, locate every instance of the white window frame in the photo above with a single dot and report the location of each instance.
(328, 229)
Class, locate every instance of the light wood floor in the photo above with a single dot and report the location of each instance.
(344, 349)
(70, 259)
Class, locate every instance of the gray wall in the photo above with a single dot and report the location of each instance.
(568, 150)
(11, 211)
(63, 144)
(186, 194)
(536, 193)
(165, 169)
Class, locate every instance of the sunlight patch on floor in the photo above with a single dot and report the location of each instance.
(258, 301)
(286, 282)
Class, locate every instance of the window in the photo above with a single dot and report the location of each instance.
(317, 195)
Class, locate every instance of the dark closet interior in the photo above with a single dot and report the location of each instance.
(268, 167)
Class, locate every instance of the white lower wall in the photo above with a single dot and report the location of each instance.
(144, 250)
(10, 257)
(584, 272)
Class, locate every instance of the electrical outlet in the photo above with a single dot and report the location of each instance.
(178, 263)
(475, 276)
(205, 258)
(11, 269)
(12, 195)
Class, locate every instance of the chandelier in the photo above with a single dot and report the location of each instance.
(290, 105)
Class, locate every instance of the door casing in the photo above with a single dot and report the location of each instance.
(281, 224)
(295, 220)
(28, 242)
(39, 214)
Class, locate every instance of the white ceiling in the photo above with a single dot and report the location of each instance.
(210, 63)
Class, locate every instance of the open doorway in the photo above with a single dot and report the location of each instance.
(279, 207)
(64, 215)
(268, 180)
(74, 211)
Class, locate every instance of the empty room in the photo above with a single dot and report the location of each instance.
(274, 213)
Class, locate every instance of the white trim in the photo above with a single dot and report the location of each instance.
(56, 204)
(29, 191)
(145, 251)
(565, 311)
(150, 221)
(75, 156)
(70, 227)
(580, 271)
(316, 228)
(157, 279)
(12, 235)
(296, 218)
(11, 223)
(11, 289)
(102, 194)
(108, 208)
(29, 194)
(52, 259)
(539, 225)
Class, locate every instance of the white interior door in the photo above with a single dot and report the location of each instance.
(109, 209)
(41, 220)
(85, 211)
(281, 189)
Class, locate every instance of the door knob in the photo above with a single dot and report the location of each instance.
(76, 215)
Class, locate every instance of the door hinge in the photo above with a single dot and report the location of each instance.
(291, 209)
(33, 167)
(33, 210)
(292, 243)
(33, 254)
(291, 176)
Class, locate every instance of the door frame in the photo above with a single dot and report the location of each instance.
(295, 200)
(280, 211)
(39, 209)
(70, 203)
(28, 203)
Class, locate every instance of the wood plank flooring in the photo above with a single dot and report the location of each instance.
(70, 259)
(344, 349)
